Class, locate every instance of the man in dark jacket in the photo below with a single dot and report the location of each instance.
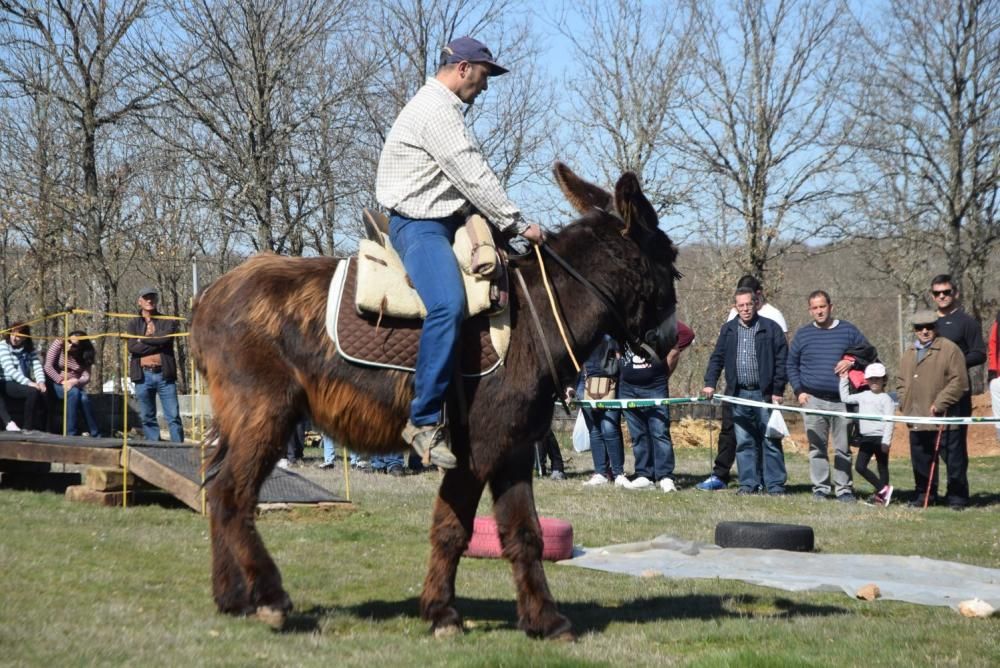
(153, 368)
(753, 352)
(964, 331)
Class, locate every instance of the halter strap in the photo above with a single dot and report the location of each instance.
(541, 338)
(602, 295)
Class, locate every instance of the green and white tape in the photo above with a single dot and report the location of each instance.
(626, 404)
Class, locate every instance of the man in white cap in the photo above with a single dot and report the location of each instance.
(431, 175)
(152, 366)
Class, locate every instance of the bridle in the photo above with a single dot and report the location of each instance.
(600, 293)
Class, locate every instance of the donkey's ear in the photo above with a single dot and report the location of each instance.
(583, 196)
(633, 206)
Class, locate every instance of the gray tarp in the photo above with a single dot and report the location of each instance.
(911, 579)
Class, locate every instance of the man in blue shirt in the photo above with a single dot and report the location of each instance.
(815, 362)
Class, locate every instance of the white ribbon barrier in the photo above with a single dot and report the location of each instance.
(625, 404)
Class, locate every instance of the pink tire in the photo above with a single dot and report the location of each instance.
(557, 539)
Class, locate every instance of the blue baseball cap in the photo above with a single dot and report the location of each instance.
(473, 51)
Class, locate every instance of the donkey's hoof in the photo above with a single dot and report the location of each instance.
(448, 631)
(273, 617)
(560, 628)
(562, 631)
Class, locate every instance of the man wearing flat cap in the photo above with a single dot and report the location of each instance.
(152, 366)
(431, 175)
(932, 380)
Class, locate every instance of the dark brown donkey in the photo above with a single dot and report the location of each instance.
(259, 338)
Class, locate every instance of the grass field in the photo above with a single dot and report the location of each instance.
(82, 585)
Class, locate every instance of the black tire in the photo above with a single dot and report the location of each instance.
(765, 536)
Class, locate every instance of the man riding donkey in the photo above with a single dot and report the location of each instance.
(430, 177)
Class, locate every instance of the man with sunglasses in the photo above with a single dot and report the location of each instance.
(963, 330)
(932, 380)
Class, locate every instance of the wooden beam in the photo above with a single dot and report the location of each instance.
(110, 479)
(83, 494)
(34, 451)
(163, 477)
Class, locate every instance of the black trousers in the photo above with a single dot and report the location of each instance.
(869, 446)
(727, 445)
(296, 444)
(5, 416)
(549, 447)
(34, 403)
(953, 455)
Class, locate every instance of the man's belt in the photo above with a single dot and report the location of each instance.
(153, 368)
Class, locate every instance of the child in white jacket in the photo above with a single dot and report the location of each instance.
(876, 435)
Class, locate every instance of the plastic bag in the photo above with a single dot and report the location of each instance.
(581, 434)
(776, 427)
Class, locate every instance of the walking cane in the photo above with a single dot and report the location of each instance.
(930, 478)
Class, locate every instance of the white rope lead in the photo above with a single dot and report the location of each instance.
(626, 404)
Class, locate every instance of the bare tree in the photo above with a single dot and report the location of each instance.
(74, 54)
(36, 219)
(631, 58)
(931, 174)
(84, 42)
(247, 81)
(762, 136)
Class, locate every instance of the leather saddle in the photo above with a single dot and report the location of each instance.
(379, 324)
(383, 287)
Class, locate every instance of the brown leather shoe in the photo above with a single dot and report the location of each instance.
(431, 443)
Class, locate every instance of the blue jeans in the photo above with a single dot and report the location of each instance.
(650, 431)
(386, 462)
(153, 385)
(606, 447)
(328, 449)
(76, 401)
(759, 460)
(425, 248)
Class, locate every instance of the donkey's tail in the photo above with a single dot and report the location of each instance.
(218, 447)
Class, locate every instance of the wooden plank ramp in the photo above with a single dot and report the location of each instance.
(177, 469)
(171, 467)
(53, 448)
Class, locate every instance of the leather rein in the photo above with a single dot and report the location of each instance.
(595, 290)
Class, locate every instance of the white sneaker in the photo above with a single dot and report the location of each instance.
(282, 463)
(622, 481)
(596, 479)
(667, 485)
(642, 482)
(11, 426)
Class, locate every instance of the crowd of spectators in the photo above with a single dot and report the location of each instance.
(65, 374)
(832, 371)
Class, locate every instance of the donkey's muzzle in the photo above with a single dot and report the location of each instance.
(662, 339)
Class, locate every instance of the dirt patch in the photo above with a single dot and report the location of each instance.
(691, 433)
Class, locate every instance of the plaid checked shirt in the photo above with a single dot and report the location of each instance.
(430, 167)
(746, 353)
